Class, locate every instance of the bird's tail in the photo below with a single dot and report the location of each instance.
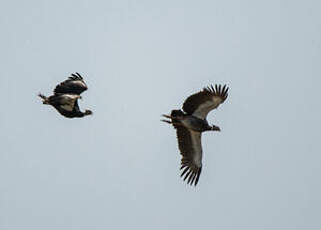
(44, 98)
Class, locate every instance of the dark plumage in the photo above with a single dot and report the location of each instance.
(66, 95)
(74, 85)
(189, 126)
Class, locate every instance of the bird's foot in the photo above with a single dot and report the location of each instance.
(173, 123)
(174, 120)
(172, 117)
(169, 122)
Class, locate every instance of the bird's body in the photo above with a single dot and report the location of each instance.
(190, 124)
(66, 95)
(196, 124)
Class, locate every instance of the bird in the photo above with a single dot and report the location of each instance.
(191, 123)
(66, 95)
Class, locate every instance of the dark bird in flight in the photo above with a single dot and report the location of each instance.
(189, 126)
(66, 95)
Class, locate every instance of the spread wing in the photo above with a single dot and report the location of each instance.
(189, 143)
(73, 85)
(201, 103)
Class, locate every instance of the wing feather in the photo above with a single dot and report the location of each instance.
(189, 143)
(73, 85)
(76, 107)
(68, 102)
(201, 103)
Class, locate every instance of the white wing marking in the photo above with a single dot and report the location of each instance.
(80, 83)
(67, 107)
(68, 102)
(202, 111)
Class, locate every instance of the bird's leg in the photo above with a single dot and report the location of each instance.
(173, 123)
(215, 128)
(171, 117)
(169, 122)
(174, 120)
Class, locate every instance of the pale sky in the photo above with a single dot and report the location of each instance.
(119, 169)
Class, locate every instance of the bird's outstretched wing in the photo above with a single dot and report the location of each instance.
(189, 143)
(201, 103)
(73, 85)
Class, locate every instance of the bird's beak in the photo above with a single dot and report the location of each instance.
(216, 128)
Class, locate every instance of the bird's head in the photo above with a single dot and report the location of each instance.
(88, 112)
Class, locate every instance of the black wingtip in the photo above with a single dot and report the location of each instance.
(187, 174)
(184, 171)
(76, 76)
(218, 90)
(79, 75)
(192, 179)
(192, 176)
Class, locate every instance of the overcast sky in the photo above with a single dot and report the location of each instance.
(119, 169)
